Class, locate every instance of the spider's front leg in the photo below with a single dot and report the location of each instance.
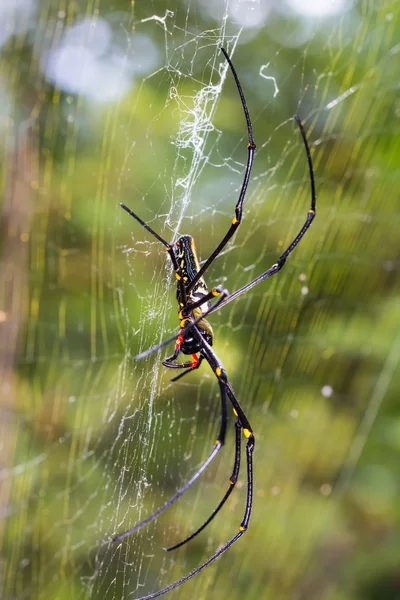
(219, 442)
(170, 361)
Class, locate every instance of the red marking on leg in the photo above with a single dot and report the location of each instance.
(179, 341)
(195, 361)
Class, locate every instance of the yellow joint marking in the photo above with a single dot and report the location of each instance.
(185, 279)
(217, 442)
(247, 432)
(183, 322)
(215, 292)
(182, 263)
(218, 372)
(311, 212)
(178, 276)
(231, 482)
(181, 304)
(242, 528)
(167, 248)
(235, 412)
(234, 221)
(180, 315)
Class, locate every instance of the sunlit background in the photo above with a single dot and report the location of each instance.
(132, 101)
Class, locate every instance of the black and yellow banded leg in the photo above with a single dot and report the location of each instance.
(232, 482)
(249, 496)
(237, 219)
(223, 381)
(217, 447)
(274, 269)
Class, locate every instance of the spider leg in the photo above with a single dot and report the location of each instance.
(190, 366)
(232, 482)
(227, 545)
(200, 359)
(177, 365)
(271, 271)
(222, 377)
(167, 245)
(251, 148)
(179, 339)
(220, 373)
(217, 446)
(283, 257)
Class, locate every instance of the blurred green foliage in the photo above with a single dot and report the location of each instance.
(93, 441)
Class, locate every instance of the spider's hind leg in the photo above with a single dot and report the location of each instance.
(203, 466)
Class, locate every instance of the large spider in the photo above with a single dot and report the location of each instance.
(195, 338)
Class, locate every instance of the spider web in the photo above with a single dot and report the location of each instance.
(94, 441)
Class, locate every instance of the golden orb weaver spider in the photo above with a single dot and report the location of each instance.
(195, 337)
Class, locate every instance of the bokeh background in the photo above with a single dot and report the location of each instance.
(117, 101)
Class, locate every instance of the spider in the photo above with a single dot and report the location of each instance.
(195, 337)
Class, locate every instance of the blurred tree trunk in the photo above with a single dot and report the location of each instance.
(21, 175)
